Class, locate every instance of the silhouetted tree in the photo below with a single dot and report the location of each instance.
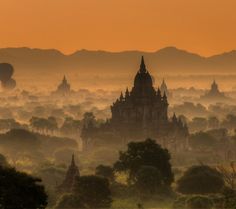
(105, 171)
(229, 122)
(3, 161)
(148, 180)
(93, 191)
(20, 191)
(52, 124)
(19, 142)
(43, 125)
(88, 118)
(213, 122)
(6, 72)
(229, 198)
(7, 124)
(200, 179)
(70, 126)
(145, 153)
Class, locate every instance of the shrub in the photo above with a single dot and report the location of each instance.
(180, 202)
(199, 202)
(229, 198)
(200, 179)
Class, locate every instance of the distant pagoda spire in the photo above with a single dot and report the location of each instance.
(164, 96)
(158, 94)
(73, 161)
(163, 82)
(164, 87)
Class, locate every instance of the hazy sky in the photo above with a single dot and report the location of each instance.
(203, 26)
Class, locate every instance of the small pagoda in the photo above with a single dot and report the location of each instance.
(63, 88)
(71, 174)
(214, 94)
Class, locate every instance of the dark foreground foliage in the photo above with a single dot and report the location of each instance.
(20, 191)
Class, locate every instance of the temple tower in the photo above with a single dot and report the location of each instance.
(71, 174)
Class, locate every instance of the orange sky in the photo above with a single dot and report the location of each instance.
(203, 26)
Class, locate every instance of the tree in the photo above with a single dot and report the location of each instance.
(93, 191)
(88, 118)
(213, 122)
(44, 125)
(229, 174)
(69, 201)
(105, 171)
(229, 122)
(145, 153)
(20, 191)
(200, 179)
(8, 124)
(229, 198)
(19, 142)
(198, 124)
(199, 202)
(70, 126)
(149, 180)
(180, 202)
(52, 124)
(202, 140)
(3, 161)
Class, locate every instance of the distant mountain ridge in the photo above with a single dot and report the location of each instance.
(169, 60)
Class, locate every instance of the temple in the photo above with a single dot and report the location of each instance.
(143, 110)
(164, 89)
(214, 94)
(139, 114)
(64, 88)
(71, 174)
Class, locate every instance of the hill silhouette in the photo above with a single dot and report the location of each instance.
(169, 60)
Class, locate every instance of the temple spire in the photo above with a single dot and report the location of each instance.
(127, 93)
(121, 96)
(143, 66)
(174, 118)
(163, 82)
(64, 78)
(73, 160)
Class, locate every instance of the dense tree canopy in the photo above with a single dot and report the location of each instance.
(200, 179)
(19, 141)
(202, 140)
(44, 125)
(70, 126)
(145, 153)
(148, 180)
(93, 191)
(20, 191)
